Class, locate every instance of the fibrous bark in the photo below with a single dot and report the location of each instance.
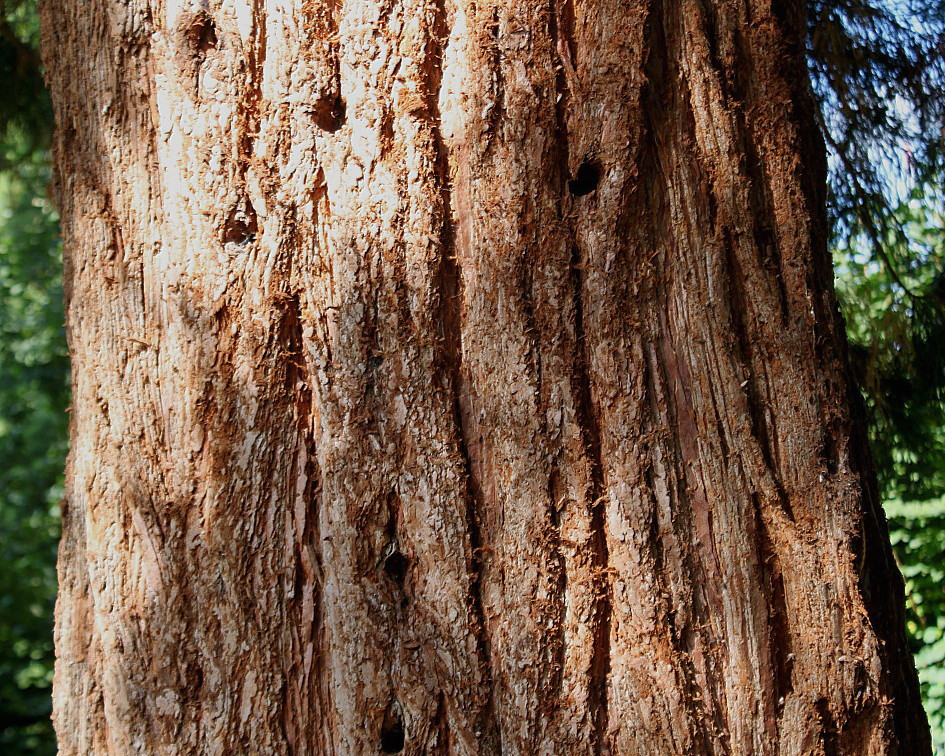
(459, 377)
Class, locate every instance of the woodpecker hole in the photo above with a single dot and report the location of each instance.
(587, 179)
(241, 227)
(395, 566)
(392, 732)
(329, 114)
(199, 33)
(205, 38)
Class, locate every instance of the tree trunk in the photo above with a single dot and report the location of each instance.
(460, 377)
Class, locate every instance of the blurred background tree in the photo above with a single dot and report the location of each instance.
(877, 69)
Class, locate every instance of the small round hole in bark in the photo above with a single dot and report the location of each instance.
(199, 32)
(392, 733)
(587, 179)
(330, 114)
(395, 566)
(206, 37)
(240, 227)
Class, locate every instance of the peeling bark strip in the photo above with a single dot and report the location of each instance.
(459, 377)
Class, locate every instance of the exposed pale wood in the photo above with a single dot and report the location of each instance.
(459, 377)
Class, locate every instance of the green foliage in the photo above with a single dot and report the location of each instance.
(33, 442)
(24, 107)
(878, 69)
(918, 536)
(33, 392)
(896, 326)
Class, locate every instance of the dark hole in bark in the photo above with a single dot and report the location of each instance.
(240, 227)
(206, 36)
(395, 566)
(239, 232)
(196, 678)
(392, 733)
(201, 32)
(587, 179)
(330, 114)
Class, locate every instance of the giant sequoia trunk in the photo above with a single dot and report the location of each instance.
(459, 377)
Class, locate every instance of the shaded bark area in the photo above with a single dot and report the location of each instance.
(459, 378)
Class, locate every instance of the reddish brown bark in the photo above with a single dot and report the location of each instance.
(459, 378)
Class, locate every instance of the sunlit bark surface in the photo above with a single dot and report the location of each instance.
(459, 377)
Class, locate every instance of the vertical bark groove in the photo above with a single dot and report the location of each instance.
(599, 558)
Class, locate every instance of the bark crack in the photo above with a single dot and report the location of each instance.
(561, 31)
(303, 704)
(742, 339)
(451, 324)
(494, 110)
(599, 552)
(780, 644)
